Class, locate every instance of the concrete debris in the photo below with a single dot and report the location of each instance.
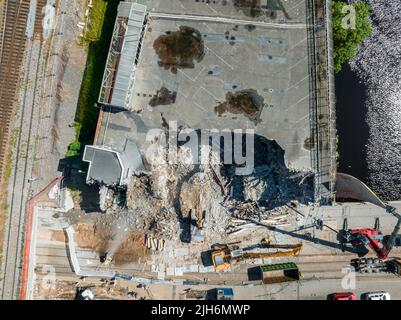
(164, 202)
(246, 216)
(106, 198)
(193, 205)
(269, 183)
(161, 202)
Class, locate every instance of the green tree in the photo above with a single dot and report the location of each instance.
(73, 149)
(346, 37)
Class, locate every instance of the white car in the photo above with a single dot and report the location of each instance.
(380, 295)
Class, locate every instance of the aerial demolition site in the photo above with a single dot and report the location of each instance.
(162, 79)
(213, 162)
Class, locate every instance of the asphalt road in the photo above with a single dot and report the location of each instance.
(302, 290)
(320, 289)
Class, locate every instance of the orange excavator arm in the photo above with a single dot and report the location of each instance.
(296, 249)
(223, 254)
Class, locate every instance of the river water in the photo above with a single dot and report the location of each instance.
(369, 113)
(352, 128)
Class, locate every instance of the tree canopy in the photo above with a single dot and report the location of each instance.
(346, 37)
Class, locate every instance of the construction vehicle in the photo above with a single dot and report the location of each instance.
(200, 216)
(197, 226)
(224, 254)
(106, 260)
(391, 241)
(373, 238)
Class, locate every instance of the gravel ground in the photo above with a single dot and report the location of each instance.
(66, 64)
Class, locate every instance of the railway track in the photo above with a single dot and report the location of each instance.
(13, 237)
(12, 50)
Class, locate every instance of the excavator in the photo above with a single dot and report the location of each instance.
(106, 260)
(373, 238)
(224, 254)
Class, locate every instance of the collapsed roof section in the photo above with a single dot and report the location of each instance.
(119, 74)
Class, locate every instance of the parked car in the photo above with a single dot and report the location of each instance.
(342, 296)
(379, 295)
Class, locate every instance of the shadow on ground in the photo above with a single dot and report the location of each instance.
(74, 172)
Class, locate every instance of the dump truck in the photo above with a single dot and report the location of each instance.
(280, 272)
(223, 255)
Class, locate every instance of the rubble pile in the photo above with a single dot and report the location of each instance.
(204, 201)
(107, 198)
(162, 201)
(244, 216)
(276, 185)
(203, 191)
(272, 183)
